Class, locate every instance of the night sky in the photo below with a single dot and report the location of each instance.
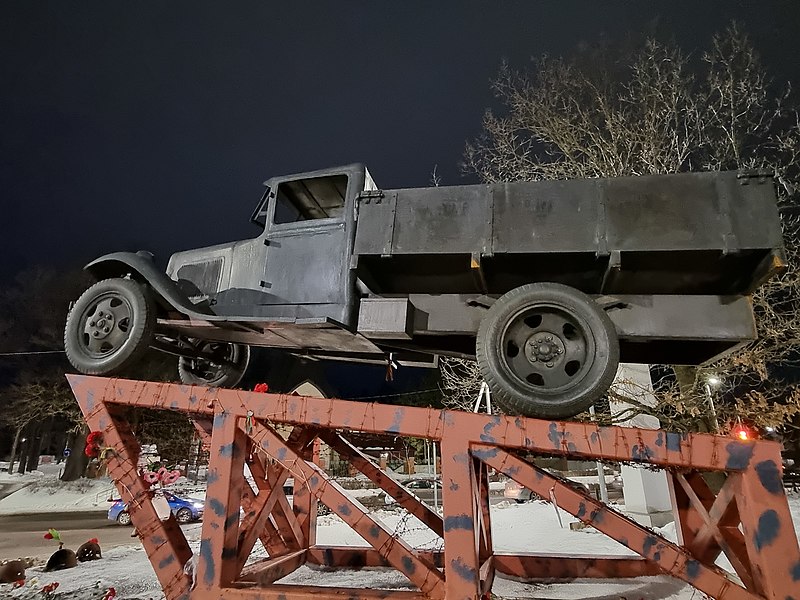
(153, 124)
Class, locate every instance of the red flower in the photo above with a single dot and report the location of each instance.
(91, 451)
(94, 541)
(261, 388)
(48, 536)
(94, 437)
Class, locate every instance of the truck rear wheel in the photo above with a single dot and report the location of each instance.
(110, 326)
(225, 369)
(547, 350)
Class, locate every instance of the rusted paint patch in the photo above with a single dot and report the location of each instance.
(484, 454)
(408, 565)
(648, 544)
(674, 441)
(394, 427)
(462, 521)
(581, 510)
(597, 516)
(89, 401)
(232, 520)
(770, 476)
(487, 435)
(219, 419)
(227, 450)
(642, 453)
(454, 487)
(158, 540)
(206, 556)
(739, 455)
(463, 570)
(692, 568)
(594, 438)
(281, 454)
(796, 572)
(769, 524)
(166, 561)
(660, 439)
(374, 531)
(192, 399)
(217, 506)
(344, 510)
(212, 477)
(560, 439)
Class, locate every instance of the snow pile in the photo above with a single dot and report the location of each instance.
(49, 494)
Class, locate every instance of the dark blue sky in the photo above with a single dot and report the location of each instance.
(153, 124)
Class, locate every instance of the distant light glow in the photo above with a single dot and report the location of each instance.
(742, 433)
(713, 380)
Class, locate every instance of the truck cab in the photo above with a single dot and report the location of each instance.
(298, 268)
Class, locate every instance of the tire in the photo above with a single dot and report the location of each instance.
(184, 516)
(110, 327)
(196, 371)
(124, 518)
(546, 350)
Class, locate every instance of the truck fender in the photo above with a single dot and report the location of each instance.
(141, 267)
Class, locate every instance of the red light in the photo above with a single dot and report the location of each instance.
(741, 432)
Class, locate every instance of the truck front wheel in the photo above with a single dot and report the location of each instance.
(547, 350)
(110, 326)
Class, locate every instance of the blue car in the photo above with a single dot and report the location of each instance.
(185, 510)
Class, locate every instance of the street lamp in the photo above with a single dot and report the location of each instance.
(712, 381)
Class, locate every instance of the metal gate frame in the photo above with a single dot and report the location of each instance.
(748, 520)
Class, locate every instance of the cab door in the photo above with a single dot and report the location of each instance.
(309, 243)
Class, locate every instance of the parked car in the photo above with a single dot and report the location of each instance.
(519, 493)
(185, 510)
(422, 488)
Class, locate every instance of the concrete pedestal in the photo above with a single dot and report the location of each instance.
(647, 498)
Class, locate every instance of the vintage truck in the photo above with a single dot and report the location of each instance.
(548, 285)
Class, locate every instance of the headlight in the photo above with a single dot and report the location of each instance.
(198, 505)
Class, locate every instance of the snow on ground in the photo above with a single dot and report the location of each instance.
(46, 493)
(515, 527)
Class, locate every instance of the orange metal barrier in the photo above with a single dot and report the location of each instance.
(748, 520)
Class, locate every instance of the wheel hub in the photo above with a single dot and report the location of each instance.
(101, 324)
(544, 347)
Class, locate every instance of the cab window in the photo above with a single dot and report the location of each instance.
(310, 199)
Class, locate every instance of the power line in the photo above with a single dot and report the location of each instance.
(31, 352)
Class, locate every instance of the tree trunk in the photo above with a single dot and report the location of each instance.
(38, 433)
(29, 432)
(77, 460)
(14, 445)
